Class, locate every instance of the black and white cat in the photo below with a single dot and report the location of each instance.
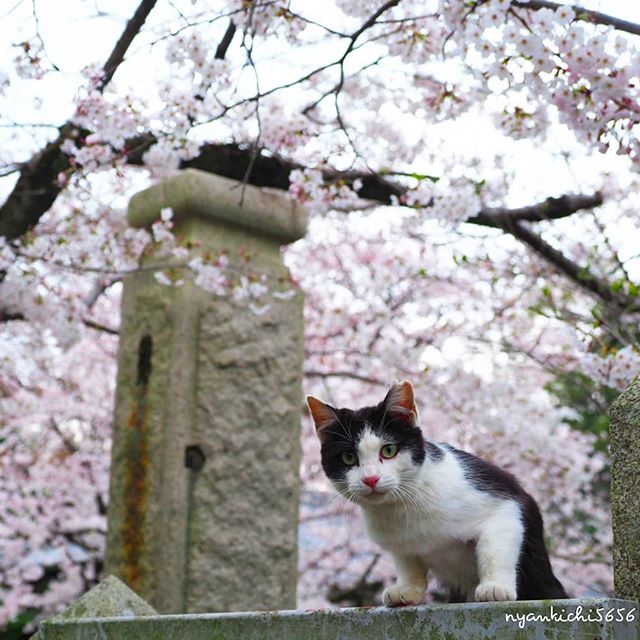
(433, 507)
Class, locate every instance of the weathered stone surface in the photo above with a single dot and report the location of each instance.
(625, 491)
(194, 193)
(204, 482)
(109, 599)
(442, 622)
(245, 506)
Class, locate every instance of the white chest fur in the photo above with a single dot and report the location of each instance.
(451, 528)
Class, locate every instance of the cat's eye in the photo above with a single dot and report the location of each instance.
(389, 451)
(349, 458)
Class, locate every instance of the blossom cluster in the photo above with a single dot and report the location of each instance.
(281, 132)
(29, 63)
(308, 187)
(54, 470)
(110, 121)
(267, 17)
(445, 200)
(615, 370)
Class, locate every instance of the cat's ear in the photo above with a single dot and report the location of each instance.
(399, 402)
(323, 414)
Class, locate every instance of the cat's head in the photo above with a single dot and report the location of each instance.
(371, 454)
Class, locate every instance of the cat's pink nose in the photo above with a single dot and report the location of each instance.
(371, 481)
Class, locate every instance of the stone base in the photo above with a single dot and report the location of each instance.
(581, 619)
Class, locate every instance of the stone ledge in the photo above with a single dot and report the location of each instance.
(474, 621)
(197, 194)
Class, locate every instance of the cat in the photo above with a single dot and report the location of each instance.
(433, 507)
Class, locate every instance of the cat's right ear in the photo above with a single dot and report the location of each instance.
(399, 402)
(323, 415)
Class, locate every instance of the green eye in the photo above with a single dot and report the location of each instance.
(389, 451)
(349, 458)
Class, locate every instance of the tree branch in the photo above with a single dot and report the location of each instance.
(232, 161)
(549, 209)
(344, 374)
(580, 275)
(92, 324)
(583, 14)
(37, 188)
(221, 50)
(130, 32)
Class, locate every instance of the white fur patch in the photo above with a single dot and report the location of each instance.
(432, 518)
(391, 473)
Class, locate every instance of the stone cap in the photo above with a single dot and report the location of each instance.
(198, 194)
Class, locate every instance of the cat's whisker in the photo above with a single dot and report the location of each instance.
(402, 498)
(414, 497)
(408, 499)
(337, 433)
(346, 431)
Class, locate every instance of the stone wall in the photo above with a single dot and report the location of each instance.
(625, 491)
(587, 619)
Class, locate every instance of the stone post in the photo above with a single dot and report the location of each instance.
(204, 477)
(624, 436)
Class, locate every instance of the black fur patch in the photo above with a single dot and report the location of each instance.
(434, 451)
(486, 476)
(346, 432)
(535, 578)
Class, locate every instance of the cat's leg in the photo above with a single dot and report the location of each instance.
(410, 584)
(497, 553)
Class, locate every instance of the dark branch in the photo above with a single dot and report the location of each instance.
(367, 24)
(549, 209)
(221, 50)
(36, 188)
(232, 161)
(8, 316)
(68, 443)
(583, 14)
(511, 221)
(92, 324)
(36, 191)
(344, 374)
(130, 32)
(363, 593)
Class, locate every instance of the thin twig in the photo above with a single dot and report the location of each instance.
(587, 15)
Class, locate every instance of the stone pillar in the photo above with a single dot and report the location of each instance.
(203, 509)
(624, 436)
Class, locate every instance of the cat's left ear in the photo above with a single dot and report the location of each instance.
(399, 402)
(323, 415)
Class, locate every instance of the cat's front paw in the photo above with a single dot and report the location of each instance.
(494, 592)
(399, 595)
